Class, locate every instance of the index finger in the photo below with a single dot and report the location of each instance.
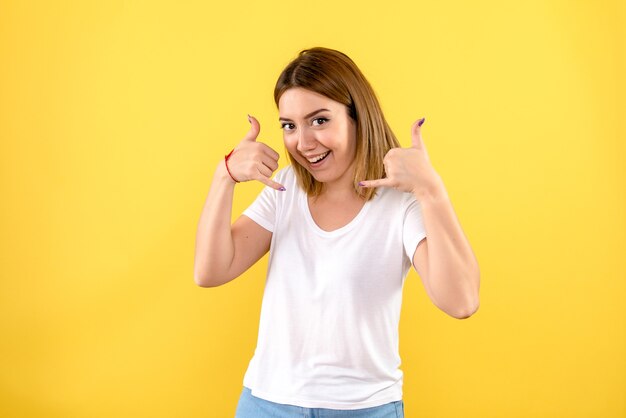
(376, 183)
(271, 183)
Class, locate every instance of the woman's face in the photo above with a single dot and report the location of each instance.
(319, 134)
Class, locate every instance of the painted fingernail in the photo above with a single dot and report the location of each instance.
(421, 121)
(282, 189)
(361, 184)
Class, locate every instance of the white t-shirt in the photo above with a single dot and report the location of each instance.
(328, 332)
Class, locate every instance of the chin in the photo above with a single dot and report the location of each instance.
(322, 178)
(319, 179)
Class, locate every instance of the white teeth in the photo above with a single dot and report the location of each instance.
(319, 157)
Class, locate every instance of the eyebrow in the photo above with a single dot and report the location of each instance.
(306, 116)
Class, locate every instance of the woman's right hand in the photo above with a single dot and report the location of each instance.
(252, 160)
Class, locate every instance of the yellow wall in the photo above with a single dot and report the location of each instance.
(113, 115)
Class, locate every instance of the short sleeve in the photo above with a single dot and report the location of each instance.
(413, 230)
(263, 209)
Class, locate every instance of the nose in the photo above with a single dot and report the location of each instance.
(306, 141)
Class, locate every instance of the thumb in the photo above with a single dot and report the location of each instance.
(416, 134)
(255, 127)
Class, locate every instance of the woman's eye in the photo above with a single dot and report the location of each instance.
(323, 120)
(284, 125)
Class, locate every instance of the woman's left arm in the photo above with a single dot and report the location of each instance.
(444, 261)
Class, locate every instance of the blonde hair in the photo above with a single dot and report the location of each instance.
(333, 74)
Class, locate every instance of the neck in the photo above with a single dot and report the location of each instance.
(337, 193)
(339, 190)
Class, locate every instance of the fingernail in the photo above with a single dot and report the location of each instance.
(421, 121)
(282, 189)
(249, 120)
(361, 184)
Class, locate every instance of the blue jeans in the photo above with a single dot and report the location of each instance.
(252, 407)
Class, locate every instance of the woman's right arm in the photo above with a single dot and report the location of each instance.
(223, 251)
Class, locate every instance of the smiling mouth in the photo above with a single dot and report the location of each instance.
(318, 158)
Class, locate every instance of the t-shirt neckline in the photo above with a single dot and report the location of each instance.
(304, 204)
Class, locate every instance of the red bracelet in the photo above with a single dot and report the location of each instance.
(226, 157)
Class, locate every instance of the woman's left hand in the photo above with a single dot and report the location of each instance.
(409, 169)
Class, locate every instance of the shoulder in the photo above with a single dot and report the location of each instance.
(390, 197)
(394, 206)
(287, 177)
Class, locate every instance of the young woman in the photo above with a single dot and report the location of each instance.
(343, 224)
